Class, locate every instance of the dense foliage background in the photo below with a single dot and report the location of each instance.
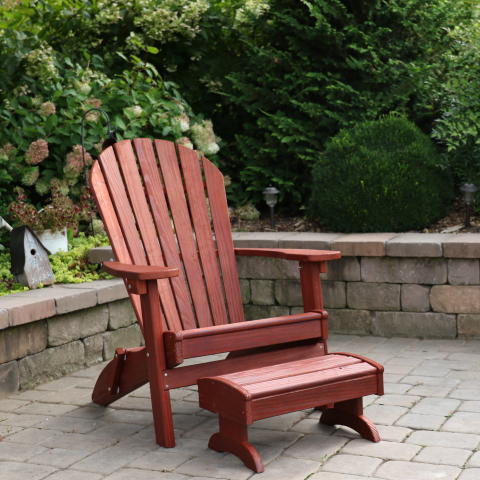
(387, 178)
(277, 78)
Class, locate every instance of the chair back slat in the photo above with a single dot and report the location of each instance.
(223, 236)
(203, 232)
(118, 195)
(112, 227)
(133, 183)
(170, 169)
(161, 218)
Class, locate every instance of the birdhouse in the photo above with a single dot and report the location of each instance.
(29, 258)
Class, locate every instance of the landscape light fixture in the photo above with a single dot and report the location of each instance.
(468, 190)
(271, 194)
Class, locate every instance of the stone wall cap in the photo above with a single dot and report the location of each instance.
(462, 245)
(309, 240)
(260, 239)
(417, 245)
(363, 244)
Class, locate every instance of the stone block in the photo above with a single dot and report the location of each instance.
(245, 290)
(334, 294)
(362, 244)
(349, 322)
(417, 245)
(463, 271)
(309, 240)
(120, 314)
(468, 326)
(9, 379)
(93, 349)
(101, 254)
(463, 245)
(455, 299)
(262, 292)
(3, 319)
(51, 363)
(345, 269)
(18, 342)
(259, 239)
(23, 310)
(410, 324)
(256, 312)
(415, 298)
(373, 296)
(289, 293)
(66, 299)
(296, 310)
(106, 290)
(430, 271)
(80, 324)
(129, 337)
(264, 268)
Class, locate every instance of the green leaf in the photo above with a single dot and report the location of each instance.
(153, 50)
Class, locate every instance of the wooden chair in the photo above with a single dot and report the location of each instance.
(183, 282)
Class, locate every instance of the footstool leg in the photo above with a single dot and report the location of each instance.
(233, 438)
(322, 408)
(350, 414)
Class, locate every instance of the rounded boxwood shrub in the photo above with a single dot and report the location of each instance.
(380, 176)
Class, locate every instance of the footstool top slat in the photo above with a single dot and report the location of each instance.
(299, 367)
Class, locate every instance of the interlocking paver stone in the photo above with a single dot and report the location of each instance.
(77, 441)
(160, 461)
(32, 436)
(352, 464)
(229, 467)
(73, 475)
(429, 391)
(130, 473)
(470, 474)
(59, 457)
(316, 447)
(463, 422)
(398, 400)
(436, 406)
(416, 471)
(384, 414)
(385, 450)
(443, 456)
(444, 439)
(17, 452)
(21, 471)
(472, 406)
(289, 469)
(465, 394)
(419, 421)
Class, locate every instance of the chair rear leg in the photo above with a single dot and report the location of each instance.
(350, 414)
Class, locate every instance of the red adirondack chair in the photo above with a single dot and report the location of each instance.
(183, 282)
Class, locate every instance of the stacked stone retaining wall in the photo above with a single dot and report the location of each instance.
(48, 333)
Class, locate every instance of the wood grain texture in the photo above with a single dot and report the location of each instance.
(289, 254)
(139, 272)
(184, 376)
(311, 286)
(103, 202)
(223, 237)
(161, 218)
(198, 347)
(138, 202)
(162, 411)
(134, 375)
(170, 169)
(233, 438)
(350, 414)
(201, 222)
(119, 358)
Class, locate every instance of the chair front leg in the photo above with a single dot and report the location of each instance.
(153, 331)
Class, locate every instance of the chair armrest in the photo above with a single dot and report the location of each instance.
(239, 336)
(139, 272)
(289, 254)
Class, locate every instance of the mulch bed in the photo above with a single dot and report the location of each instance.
(455, 217)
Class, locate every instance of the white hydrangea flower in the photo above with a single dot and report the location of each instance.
(136, 110)
(82, 87)
(204, 138)
(183, 121)
(255, 7)
(41, 64)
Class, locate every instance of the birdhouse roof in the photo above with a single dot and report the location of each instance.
(17, 247)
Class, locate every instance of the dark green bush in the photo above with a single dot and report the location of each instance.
(380, 176)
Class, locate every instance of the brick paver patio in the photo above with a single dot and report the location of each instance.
(429, 421)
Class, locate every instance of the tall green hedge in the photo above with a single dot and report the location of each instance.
(323, 65)
(380, 176)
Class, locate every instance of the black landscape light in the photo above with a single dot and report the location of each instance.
(271, 194)
(468, 190)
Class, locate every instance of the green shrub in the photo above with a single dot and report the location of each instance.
(380, 176)
(324, 65)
